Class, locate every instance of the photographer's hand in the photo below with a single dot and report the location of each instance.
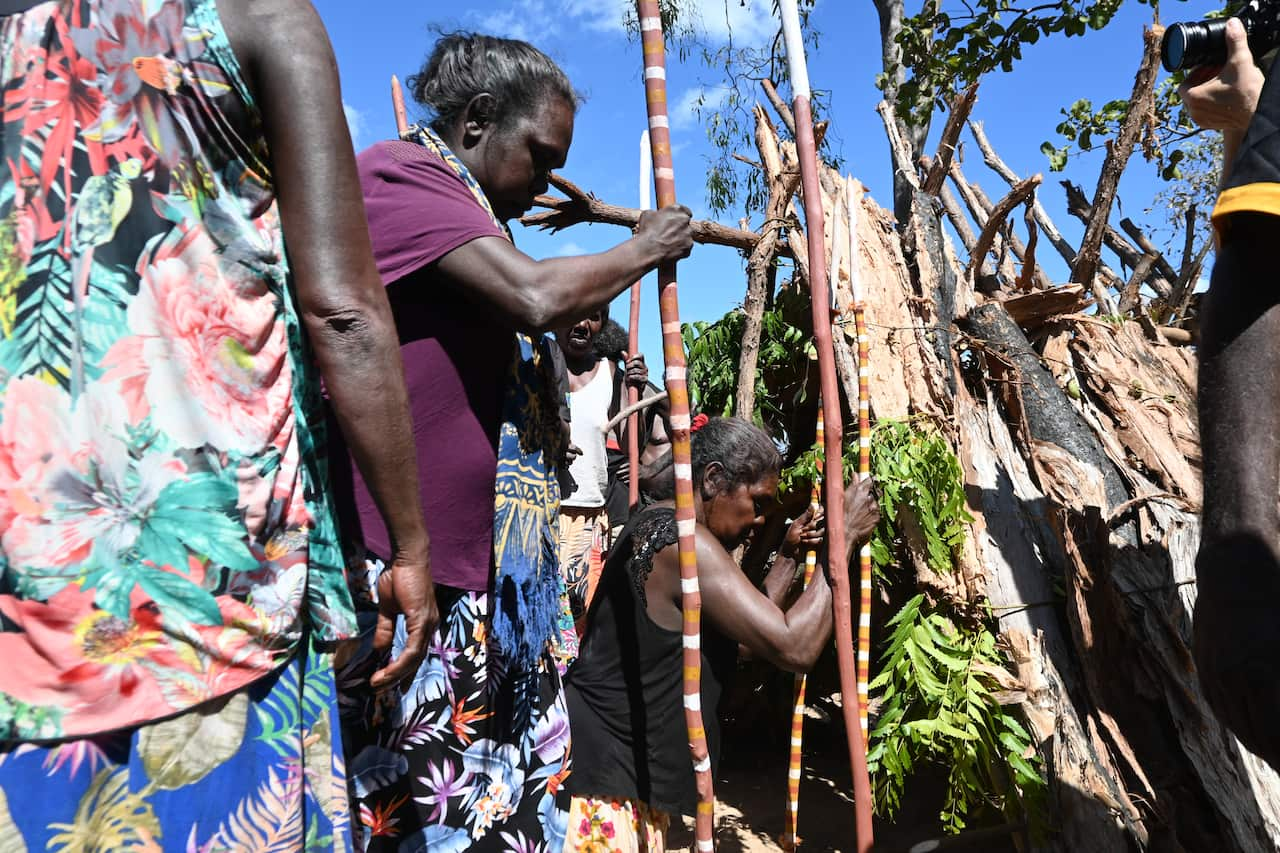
(1225, 97)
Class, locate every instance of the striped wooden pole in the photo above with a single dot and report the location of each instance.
(633, 338)
(397, 104)
(664, 179)
(819, 297)
(791, 837)
(852, 202)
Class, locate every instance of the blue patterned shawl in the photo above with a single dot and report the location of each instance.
(527, 587)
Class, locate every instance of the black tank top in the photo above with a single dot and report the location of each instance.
(625, 691)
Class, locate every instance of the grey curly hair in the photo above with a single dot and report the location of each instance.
(463, 64)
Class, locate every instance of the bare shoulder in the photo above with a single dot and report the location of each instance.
(261, 31)
(711, 554)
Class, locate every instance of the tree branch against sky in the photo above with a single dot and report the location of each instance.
(1020, 109)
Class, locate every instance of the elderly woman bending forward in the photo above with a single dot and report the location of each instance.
(625, 691)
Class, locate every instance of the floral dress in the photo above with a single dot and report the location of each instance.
(473, 755)
(167, 549)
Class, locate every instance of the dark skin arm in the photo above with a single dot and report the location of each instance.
(287, 58)
(540, 296)
(805, 533)
(635, 375)
(790, 639)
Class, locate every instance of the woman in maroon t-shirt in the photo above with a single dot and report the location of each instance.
(468, 757)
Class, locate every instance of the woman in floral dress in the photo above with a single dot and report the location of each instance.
(172, 585)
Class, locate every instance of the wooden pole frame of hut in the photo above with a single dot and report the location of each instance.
(819, 297)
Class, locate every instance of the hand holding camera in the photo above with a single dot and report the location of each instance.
(1220, 96)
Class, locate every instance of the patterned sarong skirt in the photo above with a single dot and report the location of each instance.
(259, 770)
(468, 758)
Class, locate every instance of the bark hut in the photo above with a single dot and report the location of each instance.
(1073, 417)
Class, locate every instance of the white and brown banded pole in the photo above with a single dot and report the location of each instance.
(837, 555)
(664, 181)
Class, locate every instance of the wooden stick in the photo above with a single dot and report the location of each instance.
(1174, 335)
(780, 106)
(864, 458)
(782, 184)
(580, 206)
(1019, 194)
(961, 106)
(898, 147)
(631, 408)
(1140, 239)
(820, 299)
(1180, 298)
(1117, 157)
(1065, 249)
(979, 206)
(1078, 205)
(1028, 275)
(1130, 297)
(397, 105)
(633, 339)
(664, 178)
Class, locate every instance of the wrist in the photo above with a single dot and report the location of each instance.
(413, 546)
(649, 250)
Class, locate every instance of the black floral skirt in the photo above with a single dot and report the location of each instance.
(467, 758)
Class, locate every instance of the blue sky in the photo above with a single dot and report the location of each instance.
(1020, 110)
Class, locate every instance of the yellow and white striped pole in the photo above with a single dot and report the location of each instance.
(864, 450)
(791, 836)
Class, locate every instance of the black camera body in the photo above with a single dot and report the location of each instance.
(1205, 42)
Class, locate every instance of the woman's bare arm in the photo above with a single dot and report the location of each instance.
(285, 52)
(538, 296)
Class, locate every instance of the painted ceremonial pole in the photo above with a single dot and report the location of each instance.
(633, 339)
(864, 450)
(655, 87)
(397, 104)
(791, 835)
(837, 556)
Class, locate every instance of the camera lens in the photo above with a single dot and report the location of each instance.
(1193, 45)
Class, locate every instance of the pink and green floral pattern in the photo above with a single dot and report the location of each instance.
(165, 535)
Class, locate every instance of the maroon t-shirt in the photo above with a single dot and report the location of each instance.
(456, 358)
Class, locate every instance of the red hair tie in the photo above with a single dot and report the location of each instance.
(698, 422)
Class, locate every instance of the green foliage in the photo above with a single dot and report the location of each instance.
(1080, 124)
(799, 475)
(939, 704)
(937, 684)
(782, 368)
(914, 468)
(946, 51)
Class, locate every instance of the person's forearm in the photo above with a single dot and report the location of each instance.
(369, 399)
(781, 577)
(809, 624)
(564, 290)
